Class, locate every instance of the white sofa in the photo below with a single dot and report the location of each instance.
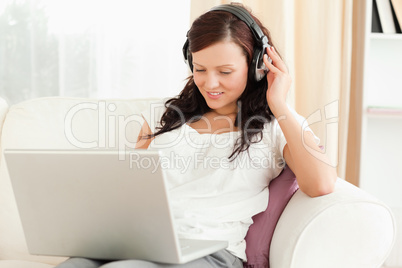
(348, 228)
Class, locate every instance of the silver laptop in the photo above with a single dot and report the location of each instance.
(98, 204)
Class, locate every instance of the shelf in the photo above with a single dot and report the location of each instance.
(384, 111)
(382, 36)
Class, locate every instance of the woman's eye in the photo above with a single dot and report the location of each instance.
(199, 70)
(226, 72)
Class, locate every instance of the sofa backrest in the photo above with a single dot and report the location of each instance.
(3, 112)
(60, 123)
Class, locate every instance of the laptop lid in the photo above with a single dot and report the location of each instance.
(96, 204)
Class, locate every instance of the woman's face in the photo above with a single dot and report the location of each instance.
(220, 73)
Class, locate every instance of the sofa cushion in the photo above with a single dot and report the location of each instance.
(259, 236)
(64, 123)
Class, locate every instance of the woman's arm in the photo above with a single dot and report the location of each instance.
(142, 141)
(303, 156)
(314, 175)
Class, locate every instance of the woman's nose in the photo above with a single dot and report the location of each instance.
(212, 81)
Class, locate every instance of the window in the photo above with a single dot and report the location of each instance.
(92, 48)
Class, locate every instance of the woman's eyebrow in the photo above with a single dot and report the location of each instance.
(197, 64)
(224, 65)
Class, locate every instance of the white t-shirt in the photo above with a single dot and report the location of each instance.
(212, 197)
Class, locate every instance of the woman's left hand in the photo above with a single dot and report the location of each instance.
(279, 81)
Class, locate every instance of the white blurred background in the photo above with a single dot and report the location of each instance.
(91, 48)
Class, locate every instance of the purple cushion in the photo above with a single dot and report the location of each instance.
(259, 236)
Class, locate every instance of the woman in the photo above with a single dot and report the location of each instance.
(232, 131)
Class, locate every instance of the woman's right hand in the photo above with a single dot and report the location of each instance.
(279, 82)
(142, 141)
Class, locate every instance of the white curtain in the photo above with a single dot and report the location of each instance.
(92, 48)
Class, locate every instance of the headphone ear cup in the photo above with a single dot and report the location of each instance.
(257, 69)
(190, 60)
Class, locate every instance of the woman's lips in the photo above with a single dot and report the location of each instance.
(215, 95)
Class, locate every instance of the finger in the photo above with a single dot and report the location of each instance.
(276, 59)
(269, 65)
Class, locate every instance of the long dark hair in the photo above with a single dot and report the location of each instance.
(189, 106)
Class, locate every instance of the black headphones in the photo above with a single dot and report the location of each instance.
(257, 69)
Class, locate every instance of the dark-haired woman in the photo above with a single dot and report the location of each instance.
(225, 137)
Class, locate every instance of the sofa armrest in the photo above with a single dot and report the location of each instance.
(347, 228)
